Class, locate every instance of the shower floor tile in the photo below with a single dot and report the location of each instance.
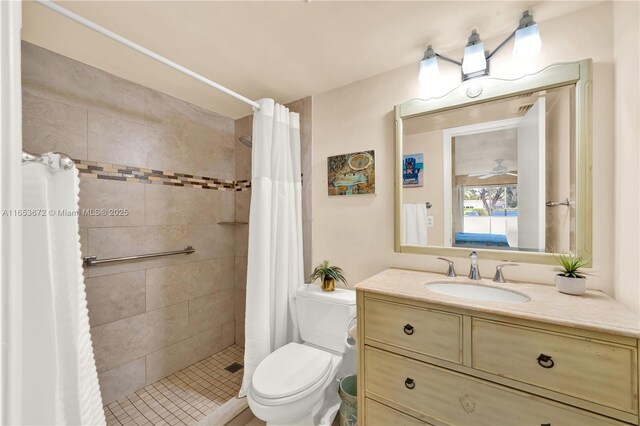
(183, 398)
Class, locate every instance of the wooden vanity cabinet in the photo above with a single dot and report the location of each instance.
(421, 363)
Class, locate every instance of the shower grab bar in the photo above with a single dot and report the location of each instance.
(93, 260)
(55, 160)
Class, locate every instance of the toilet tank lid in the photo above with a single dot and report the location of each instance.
(340, 296)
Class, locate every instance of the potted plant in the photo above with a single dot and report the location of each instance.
(571, 280)
(328, 275)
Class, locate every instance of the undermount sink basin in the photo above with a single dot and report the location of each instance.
(476, 292)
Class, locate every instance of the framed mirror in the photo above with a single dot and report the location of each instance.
(502, 167)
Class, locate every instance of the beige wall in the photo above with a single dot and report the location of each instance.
(357, 232)
(148, 318)
(626, 139)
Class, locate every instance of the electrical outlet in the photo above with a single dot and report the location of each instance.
(429, 221)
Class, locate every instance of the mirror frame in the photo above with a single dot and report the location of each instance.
(484, 90)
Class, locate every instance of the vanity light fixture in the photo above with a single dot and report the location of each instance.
(428, 67)
(475, 62)
(527, 42)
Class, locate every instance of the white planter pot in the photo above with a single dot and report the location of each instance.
(569, 285)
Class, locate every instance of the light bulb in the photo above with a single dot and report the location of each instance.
(429, 71)
(474, 59)
(527, 42)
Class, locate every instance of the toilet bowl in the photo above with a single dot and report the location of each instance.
(298, 383)
(290, 385)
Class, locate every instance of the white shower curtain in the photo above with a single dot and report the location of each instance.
(275, 268)
(60, 382)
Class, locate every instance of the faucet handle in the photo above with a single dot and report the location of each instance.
(499, 277)
(451, 272)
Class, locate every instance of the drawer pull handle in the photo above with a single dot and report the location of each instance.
(409, 383)
(408, 329)
(545, 361)
(545, 424)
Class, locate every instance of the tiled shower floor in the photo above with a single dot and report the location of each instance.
(183, 398)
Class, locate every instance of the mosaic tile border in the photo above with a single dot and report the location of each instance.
(109, 171)
(243, 185)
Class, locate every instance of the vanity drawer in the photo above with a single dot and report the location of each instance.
(442, 395)
(597, 371)
(432, 333)
(380, 415)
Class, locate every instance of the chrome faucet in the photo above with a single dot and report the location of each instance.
(451, 272)
(499, 277)
(474, 272)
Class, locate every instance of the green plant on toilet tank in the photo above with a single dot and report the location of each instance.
(328, 275)
(571, 279)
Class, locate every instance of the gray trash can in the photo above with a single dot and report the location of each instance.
(349, 395)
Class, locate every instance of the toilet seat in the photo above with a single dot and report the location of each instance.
(290, 373)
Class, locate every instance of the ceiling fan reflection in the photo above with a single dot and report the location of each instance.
(499, 170)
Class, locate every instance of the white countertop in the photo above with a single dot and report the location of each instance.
(592, 311)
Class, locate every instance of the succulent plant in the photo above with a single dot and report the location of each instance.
(570, 265)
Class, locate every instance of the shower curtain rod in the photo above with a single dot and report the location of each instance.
(55, 160)
(92, 25)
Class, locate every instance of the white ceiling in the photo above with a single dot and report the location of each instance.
(283, 50)
(481, 150)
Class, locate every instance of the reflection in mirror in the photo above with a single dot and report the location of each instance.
(493, 174)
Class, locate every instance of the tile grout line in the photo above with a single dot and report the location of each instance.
(126, 416)
(181, 399)
(145, 205)
(112, 414)
(87, 112)
(146, 290)
(142, 313)
(170, 400)
(184, 397)
(164, 347)
(155, 399)
(141, 413)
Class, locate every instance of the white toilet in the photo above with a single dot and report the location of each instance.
(298, 383)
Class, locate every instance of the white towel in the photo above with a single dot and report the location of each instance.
(414, 224)
(60, 379)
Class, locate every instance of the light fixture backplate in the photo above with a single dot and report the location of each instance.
(476, 74)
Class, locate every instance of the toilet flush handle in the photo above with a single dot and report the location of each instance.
(350, 340)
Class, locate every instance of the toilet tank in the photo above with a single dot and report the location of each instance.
(323, 316)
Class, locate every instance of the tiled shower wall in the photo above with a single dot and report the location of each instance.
(243, 172)
(153, 317)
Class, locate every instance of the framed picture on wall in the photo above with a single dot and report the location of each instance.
(351, 174)
(412, 170)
